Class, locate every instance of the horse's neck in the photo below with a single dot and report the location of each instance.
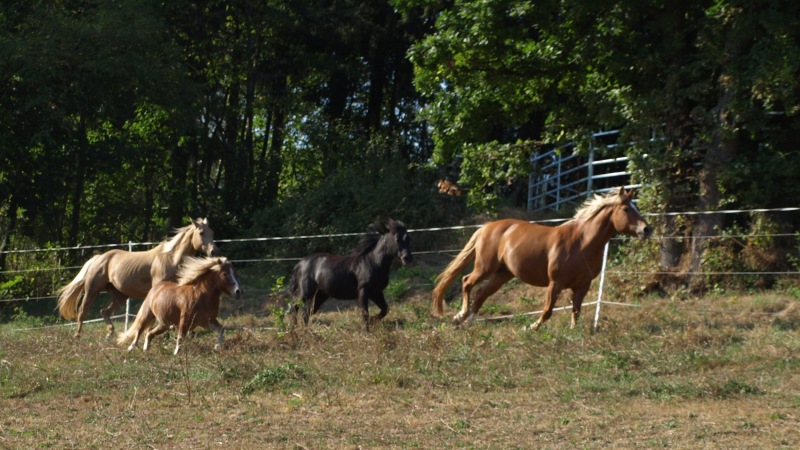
(182, 249)
(596, 232)
(207, 289)
(380, 256)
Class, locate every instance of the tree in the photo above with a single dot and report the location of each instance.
(76, 72)
(709, 78)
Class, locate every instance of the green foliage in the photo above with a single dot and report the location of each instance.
(21, 319)
(350, 200)
(498, 69)
(16, 287)
(492, 170)
(396, 290)
(284, 375)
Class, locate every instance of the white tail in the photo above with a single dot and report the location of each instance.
(69, 294)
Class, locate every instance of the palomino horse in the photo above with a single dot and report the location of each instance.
(362, 275)
(568, 256)
(192, 301)
(126, 274)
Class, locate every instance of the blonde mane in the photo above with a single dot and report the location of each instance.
(193, 268)
(169, 245)
(592, 206)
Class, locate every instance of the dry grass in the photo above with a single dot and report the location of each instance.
(679, 374)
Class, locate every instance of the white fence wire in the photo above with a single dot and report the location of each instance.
(598, 302)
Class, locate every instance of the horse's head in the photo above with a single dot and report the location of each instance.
(397, 239)
(203, 238)
(227, 279)
(627, 219)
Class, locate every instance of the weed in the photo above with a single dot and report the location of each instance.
(270, 378)
(397, 290)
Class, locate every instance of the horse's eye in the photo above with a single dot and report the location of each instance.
(626, 209)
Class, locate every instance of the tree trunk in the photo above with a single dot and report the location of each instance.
(177, 187)
(275, 157)
(11, 224)
(720, 153)
(79, 183)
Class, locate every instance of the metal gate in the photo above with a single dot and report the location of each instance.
(562, 177)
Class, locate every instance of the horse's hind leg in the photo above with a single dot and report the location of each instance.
(313, 305)
(495, 281)
(553, 291)
(89, 294)
(117, 299)
(160, 328)
(467, 283)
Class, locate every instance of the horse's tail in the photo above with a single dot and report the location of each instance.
(68, 295)
(293, 287)
(143, 318)
(453, 270)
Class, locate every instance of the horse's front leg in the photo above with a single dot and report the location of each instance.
(363, 303)
(578, 294)
(214, 325)
(183, 330)
(380, 301)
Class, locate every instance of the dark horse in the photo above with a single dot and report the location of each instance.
(363, 275)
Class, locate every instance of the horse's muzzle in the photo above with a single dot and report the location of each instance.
(645, 232)
(238, 293)
(406, 258)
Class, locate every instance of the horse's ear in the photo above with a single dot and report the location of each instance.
(625, 195)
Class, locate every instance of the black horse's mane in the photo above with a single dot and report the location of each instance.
(367, 244)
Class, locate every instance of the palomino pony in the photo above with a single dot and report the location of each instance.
(363, 275)
(126, 274)
(568, 256)
(192, 301)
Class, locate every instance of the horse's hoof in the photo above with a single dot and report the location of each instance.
(531, 327)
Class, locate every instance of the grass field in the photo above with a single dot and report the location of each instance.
(721, 371)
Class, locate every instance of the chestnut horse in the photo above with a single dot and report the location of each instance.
(126, 274)
(568, 256)
(192, 301)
